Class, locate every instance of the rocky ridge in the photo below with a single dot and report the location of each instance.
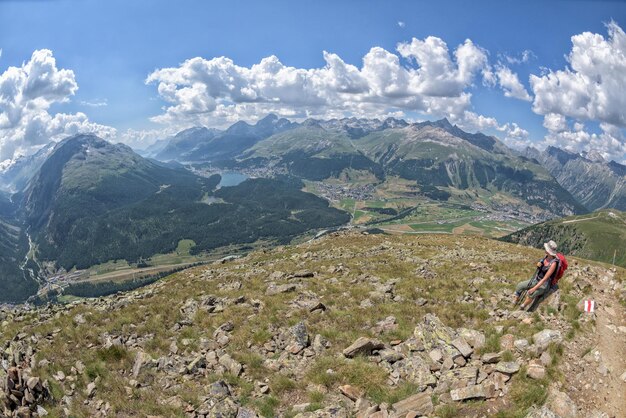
(348, 325)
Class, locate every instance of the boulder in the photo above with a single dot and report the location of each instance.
(508, 367)
(491, 358)
(561, 404)
(362, 346)
(468, 392)
(300, 334)
(233, 366)
(141, 361)
(351, 392)
(274, 289)
(463, 347)
(418, 404)
(535, 370)
(543, 338)
(436, 355)
(474, 338)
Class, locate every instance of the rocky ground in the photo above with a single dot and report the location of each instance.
(347, 325)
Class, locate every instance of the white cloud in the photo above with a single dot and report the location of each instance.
(510, 84)
(522, 58)
(26, 94)
(592, 86)
(590, 89)
(432, 80)
(95, 103)
(554, 122)
(610, 142)
(400, 23)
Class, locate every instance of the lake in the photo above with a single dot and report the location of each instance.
(231, 178)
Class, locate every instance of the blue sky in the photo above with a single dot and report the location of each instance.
(113, 46)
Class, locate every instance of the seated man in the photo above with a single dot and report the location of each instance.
(539, 285)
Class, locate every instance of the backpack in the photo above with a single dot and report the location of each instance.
(560, 271)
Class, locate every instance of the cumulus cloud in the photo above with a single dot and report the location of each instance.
(400, 23)
(422, 75)
(590, 88)
(610, 142)
(26, 94)
(510, 84)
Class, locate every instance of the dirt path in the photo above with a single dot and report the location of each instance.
(597, 360)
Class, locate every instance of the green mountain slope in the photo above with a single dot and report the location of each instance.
(15, 284)
(93, 201)
(597, 236)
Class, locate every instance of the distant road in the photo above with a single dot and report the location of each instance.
(580, 220)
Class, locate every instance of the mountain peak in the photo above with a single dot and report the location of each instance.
(271, 117)
(594, 156)
(443, 123)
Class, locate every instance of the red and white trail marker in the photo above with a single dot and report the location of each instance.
(590, 305)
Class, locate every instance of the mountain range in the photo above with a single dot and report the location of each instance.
(593, 181)
(434, 154)
(85, 201)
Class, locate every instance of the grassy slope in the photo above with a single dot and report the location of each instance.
(361, 258)
(596, 236)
